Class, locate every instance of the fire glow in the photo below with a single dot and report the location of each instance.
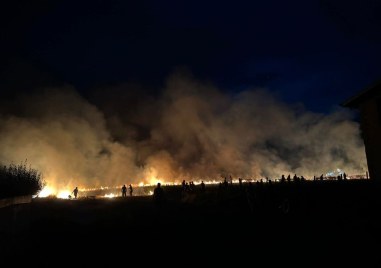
(49, 191)
(113, 192)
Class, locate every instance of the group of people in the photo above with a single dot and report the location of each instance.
(158, 192)
(124, 190)
(190, 187)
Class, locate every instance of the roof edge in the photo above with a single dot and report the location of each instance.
(354, 101)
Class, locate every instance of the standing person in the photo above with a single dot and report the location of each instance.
(158, 195)
(131, 190)
(124, 191)
(202, 186)
(75, 192)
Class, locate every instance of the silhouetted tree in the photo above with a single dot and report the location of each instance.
(16, 180)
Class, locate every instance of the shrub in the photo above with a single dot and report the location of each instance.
(16, 180)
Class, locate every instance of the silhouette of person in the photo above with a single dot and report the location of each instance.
(131, 190)
(124, 190)
(226, 183)
(187, 187)
(191, 186)
(75, 192)
(345, 176)
(202, 186)
(158, 194)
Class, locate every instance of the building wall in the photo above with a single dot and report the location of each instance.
(371, 130)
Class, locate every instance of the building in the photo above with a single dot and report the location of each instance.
(368, 102)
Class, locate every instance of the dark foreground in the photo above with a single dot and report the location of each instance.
(314, 224)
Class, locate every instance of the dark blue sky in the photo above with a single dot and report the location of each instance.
(318, 52)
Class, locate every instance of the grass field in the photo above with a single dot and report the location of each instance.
(323, 223)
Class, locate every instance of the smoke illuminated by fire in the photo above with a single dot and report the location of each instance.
(193, 131)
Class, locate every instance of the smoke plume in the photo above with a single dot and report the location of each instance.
(192, 130)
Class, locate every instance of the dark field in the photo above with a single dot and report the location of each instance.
(328, 223)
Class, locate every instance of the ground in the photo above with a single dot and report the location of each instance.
(300, 224)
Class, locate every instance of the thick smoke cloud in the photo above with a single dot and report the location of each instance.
(65, 137)
(191, 131)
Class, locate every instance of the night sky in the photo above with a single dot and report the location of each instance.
(317, 52)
